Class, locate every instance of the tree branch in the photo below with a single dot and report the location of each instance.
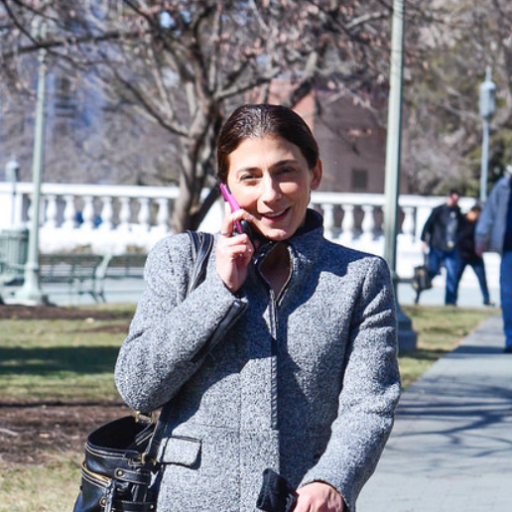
(73, 40)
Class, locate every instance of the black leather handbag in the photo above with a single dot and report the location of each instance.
(120, 468)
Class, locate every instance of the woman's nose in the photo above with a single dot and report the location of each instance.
(271, 191)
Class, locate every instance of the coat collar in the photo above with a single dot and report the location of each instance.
(304, 244)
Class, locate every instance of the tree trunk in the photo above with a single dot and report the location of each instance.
(183, 206)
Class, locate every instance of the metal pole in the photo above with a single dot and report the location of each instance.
(1, 284)
(487, 106)
(393, 141)
(485, 161)
(13, 203)
(31, 294)
(406, 336)
(12, 173)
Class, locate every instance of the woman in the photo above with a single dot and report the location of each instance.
(284, 357)
(467, 254)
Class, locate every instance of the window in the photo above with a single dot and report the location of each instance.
(65, 102)
(359, 179)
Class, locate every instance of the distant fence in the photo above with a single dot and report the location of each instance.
(111, 218)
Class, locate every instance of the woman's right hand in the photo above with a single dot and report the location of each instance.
(319, 497)
(233, 252)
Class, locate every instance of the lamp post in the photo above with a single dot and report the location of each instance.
(31, 294)
(487, 108)
(407, 338)
(12, 172)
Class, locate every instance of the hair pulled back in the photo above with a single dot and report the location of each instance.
(259, 121)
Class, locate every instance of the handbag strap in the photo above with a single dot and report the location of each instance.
(202, 244)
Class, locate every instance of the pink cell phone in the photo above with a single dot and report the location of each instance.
(243, 225)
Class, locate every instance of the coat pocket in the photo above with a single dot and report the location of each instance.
(185, 451)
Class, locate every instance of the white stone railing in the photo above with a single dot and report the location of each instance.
(139, 216)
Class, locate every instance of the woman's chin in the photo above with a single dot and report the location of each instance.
(276, 234)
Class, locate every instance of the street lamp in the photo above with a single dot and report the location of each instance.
(407, 338)
(487, 108)
(31, 294)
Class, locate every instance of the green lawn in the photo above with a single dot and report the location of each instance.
(67, 360)
(71, 361)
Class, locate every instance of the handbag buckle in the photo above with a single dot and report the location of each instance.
(143, 417)
(151, 460)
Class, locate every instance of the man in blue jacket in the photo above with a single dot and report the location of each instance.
(440, 235)
(494, 233)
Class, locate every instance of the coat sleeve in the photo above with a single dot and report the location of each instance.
(370, 391)
(428, 228)
(171, 333)
(487, 219)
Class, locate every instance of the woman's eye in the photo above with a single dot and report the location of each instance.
(248, 177)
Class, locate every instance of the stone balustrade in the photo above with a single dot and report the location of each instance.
(114, 218)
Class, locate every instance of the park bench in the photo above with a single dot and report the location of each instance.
(84, 273)
(76, 270)
(13, 255)
(120, 267)
(11, 274)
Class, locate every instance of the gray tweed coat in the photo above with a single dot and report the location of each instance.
(305, 383)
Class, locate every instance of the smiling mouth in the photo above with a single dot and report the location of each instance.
(275, 216)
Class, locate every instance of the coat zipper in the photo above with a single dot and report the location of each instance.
(274, 323)
(273, 358)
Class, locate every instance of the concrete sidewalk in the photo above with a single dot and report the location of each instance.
(451, 447)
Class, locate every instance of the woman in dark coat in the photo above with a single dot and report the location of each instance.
(285, 357)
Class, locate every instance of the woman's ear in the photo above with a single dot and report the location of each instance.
(316, 175)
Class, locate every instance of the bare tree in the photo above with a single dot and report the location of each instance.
(443, 126)
(184, 65)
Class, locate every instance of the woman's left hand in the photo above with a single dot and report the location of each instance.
(319, 497)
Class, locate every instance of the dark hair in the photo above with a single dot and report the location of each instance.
(454, 192)
(258, 121)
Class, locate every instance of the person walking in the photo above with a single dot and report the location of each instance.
(494, 233)
(467, 254)
(266, 364)
(439, 237)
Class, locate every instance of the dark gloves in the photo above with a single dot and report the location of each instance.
(276, 495)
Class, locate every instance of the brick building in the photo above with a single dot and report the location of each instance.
(352, 139)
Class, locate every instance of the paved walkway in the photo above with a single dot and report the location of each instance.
(451, 447)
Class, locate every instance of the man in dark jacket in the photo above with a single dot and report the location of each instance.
(440, 235)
